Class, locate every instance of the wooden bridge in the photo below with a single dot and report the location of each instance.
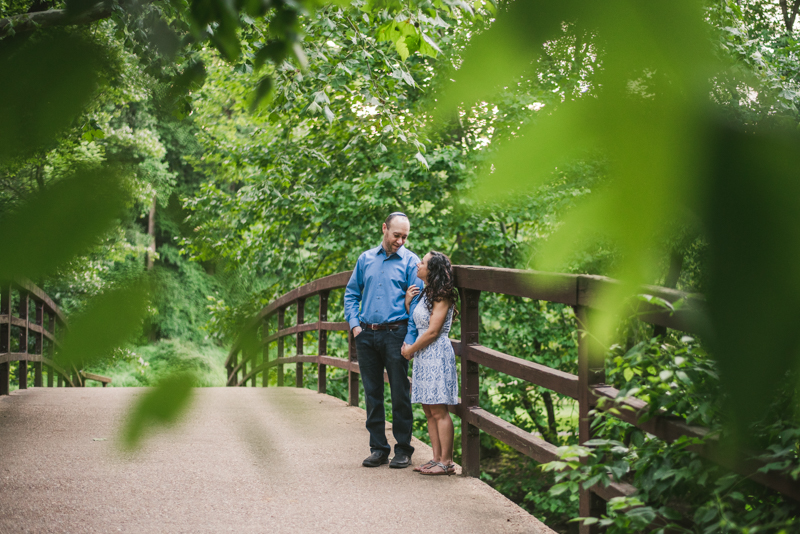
(251, 357)
(30, 328)
(289, 458)
(254, 460)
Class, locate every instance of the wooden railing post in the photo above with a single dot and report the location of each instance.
(265, 352)
(235, 373)
(37, 375)
(470, 385)
(245, 360)
(301, 304)
(254, 360)
(38, 337)
(591, 371)
(281, 315)
(352, 376)
(5, 339)
(22, 367)
(22, 374)
(51, 347)
(5, 379)
(322, 343)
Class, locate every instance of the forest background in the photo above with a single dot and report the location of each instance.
(258, 146)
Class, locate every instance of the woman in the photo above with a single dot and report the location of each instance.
(435, 381)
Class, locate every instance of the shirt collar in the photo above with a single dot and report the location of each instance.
(400, 252)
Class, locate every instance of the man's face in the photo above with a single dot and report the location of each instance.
(395, 235)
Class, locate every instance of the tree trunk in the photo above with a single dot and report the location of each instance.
(552, 424)
(789, 14)
(528, 405)
(675, 267)
(39, 174)
(151, 231)
(28, 22)
(671, 281)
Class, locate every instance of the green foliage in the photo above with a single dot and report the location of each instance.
(160, 406)
(523, 481)
(109, 320)
(676, 488)
(274, 154)
(536, 331)
(72, 214)
(679, 378)
(647, 109)
(146, 365)
(181, 297)
(55, 76)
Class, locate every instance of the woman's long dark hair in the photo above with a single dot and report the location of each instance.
(441, 281)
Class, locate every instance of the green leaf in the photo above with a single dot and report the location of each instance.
(610, 121)
(670, 513)
(427, 46)
(329, 114)
(398, 32)
(61, 222)
(263, 90)
(75, 8)
(628, 374)
(757, 171)
(109, 320)
(300, 55)
(47, 81)
(192, 77)
(274, 51)
(504, 51)
(160, 406)
(407, 78)
(558, 489)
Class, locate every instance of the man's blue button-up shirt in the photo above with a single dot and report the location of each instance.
(379, 283)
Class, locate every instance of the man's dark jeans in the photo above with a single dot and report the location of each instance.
(379, 349)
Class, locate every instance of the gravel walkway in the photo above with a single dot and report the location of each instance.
(242, 460)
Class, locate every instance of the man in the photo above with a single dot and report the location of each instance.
(379, 283)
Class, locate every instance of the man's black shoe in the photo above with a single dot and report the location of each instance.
(376, 459)
(400, 461)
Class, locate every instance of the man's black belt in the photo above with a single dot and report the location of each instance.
(384, 326)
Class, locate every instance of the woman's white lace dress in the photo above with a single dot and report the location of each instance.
(435, 380)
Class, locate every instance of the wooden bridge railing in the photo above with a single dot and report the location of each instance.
(36, 318)
(582, 292)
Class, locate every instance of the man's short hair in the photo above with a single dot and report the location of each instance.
(393, 215)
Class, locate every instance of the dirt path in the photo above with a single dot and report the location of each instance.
(243, 460)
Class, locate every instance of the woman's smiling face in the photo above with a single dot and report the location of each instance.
(422, 268)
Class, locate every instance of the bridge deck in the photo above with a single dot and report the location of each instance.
(243, 460)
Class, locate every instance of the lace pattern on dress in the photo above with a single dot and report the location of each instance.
(435, 379)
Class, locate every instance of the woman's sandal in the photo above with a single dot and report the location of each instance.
(427, 464)
(446, 470)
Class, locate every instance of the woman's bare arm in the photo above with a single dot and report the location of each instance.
(412, 292)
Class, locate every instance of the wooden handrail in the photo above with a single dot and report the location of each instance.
(571, 289)
(582, 292)
(97, 378)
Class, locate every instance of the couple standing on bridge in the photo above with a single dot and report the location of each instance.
(399, 308)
